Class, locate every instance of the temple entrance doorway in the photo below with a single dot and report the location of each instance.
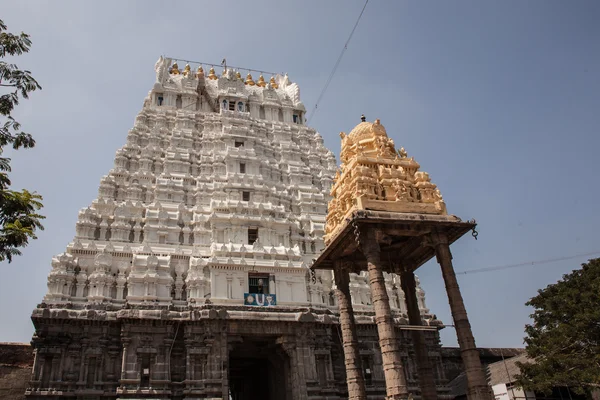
(259, 369)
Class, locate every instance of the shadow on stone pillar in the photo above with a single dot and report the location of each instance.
(426, 377)
(395, 380)
(354, 375)
(477, 387)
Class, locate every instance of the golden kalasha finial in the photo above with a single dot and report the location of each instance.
(211, 74)
(186, 70)
(273, 84)
(174, 69)
(261, 81)
(238, 75)
(200, 72)
(249, 80)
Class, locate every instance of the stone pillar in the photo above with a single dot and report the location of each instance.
(477, 387)
(224, 365)
(354, 375)
(426, 377)
(124, 364)
(298, 378)
(395, 381)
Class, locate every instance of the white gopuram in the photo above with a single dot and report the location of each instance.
(220, 193)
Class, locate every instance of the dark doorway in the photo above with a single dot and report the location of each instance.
(258, 370)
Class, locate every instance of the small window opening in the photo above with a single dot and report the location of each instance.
(232, 106)
(240, 106)
(245, 196)
(322, 370)
(145, 371)
(295, 118)
(239, 144)
(224, 107)
(159, 100)
(366, 364)
(242, 168)
(258, 283)
(252, 235)
(91, 372)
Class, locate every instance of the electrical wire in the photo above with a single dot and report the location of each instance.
(528, 263)
(337, 63)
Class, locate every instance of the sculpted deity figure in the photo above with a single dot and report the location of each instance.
(402, 153)
(160, 67)
(402, 192)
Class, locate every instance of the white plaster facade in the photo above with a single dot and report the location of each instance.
(210, 164)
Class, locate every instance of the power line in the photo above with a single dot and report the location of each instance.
(337, 63)
(528, 263)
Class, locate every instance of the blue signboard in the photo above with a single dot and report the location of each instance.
(259, 299)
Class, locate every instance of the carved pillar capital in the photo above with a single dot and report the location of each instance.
(288, 344)
(367, 241)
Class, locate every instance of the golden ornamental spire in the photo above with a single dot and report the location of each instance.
(238, 75)
(174, 69)
(211, 74)
(272, 82)
(376, 176)
(186, 70)
(249, 80)
(200, 72)
(261, 81)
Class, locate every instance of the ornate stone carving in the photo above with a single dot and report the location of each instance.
(376, 176)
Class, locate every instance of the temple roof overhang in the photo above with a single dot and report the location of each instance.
(404, 239)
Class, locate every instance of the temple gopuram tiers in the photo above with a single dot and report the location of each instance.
(189, 275)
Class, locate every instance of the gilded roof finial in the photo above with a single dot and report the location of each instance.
(200, 72)
(211, 74)
(363, 118)
(238, 75)
(186, 70)
(273, 84)
(249, 80)
(174, 69)
(261, 81)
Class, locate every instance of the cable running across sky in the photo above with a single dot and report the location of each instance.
(337, 63)
(524, 264)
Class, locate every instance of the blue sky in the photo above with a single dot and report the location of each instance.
(498, 100)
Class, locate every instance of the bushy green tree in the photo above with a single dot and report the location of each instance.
(563, 341)
(19, 218)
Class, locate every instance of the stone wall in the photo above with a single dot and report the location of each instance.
(16, 362)
(453, 365)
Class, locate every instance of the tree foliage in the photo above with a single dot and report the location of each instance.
(19, 217)
(564, 340)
